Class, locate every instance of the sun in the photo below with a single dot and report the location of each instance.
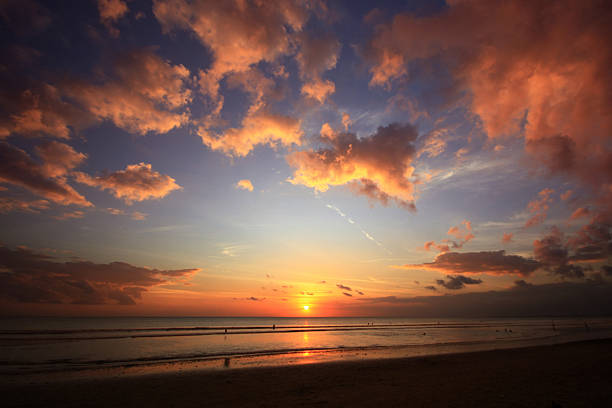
(306, 307)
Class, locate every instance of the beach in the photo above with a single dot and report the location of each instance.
(567, 375)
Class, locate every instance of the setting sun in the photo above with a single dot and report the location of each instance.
(306, 307)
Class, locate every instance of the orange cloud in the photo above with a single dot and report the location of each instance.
(17, 168)
(581, 212)
(539, 207)
(59, 158)
(548, 85)
(257, 129)
(378, 166)
(463, 236)
(245, 185)
(239, 34)
(317, 55)
(138, 182)
(507, 237)
(146, 95)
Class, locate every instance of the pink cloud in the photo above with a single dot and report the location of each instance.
(548, 85)
(507, 237)
(539, 207)
(379, 166)
(138, 182)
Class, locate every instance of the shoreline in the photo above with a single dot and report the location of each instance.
(569, 374)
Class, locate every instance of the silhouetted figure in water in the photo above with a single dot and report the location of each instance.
(226, 362)
(273, 327)
(553, 325)
(586, 327)
(225, 330)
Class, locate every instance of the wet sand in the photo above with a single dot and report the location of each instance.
(567, 375)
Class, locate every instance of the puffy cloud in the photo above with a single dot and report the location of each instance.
(318, 89)
(378, 166)
(257, 129)
(539, 207)
(9, 204)
(488, 262)
(138, 182)
(457, 282)
(317, 55)
(18, 168)
(245, 185)
(110, 12)
(36, 278)
(146, 94)
(549, 84)
(239, 33)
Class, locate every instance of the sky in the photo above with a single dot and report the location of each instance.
(250, 158)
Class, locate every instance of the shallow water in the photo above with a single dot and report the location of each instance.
(41, 344)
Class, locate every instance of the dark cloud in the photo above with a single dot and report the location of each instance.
(347, 294)
(18, 168)
(565, 256)
(342, 287)
(489, 262)
(457, 282)
(30, 277)
(521, 283)
(555, 299)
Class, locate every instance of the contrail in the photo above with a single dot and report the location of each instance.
(351, 221)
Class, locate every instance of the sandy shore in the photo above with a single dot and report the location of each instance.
(568, 375)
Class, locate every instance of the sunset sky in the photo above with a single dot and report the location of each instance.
(415, 158)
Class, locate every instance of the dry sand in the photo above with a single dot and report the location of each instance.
(568, 375)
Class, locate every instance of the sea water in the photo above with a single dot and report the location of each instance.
(40, 344)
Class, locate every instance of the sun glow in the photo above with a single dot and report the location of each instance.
(306, 307)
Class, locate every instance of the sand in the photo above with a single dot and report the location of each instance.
(567, 375)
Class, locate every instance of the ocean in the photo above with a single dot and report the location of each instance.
(48, 344)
